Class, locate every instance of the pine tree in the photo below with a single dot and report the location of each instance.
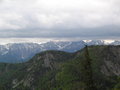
(87, 71)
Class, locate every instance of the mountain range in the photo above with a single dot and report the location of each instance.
(58, 70)
(21, 52)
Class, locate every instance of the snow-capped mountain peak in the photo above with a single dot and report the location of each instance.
(17, 52)
(108, 41)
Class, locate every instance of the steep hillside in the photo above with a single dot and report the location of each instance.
(57, 70)
(19, 76)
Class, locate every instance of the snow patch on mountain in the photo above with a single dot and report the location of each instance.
(107, 42)
(16, 52)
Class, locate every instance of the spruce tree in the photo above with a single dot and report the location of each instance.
(87, 71)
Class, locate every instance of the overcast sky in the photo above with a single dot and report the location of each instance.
(56, 19)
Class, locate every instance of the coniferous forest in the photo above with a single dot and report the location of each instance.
(92, 68)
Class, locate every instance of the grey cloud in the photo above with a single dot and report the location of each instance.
(59, 19)
(103, 32)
